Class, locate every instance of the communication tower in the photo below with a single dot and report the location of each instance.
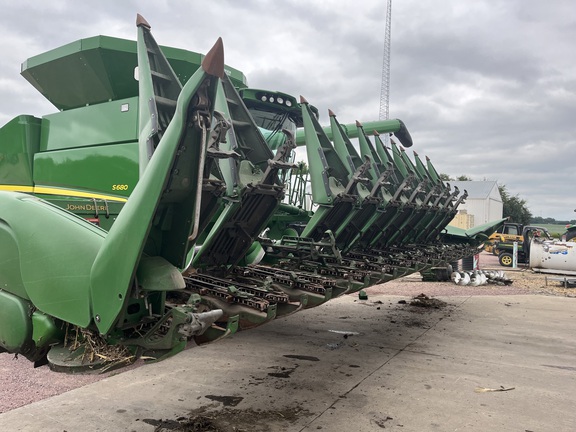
(385, 88)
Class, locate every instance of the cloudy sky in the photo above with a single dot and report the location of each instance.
(486, 88)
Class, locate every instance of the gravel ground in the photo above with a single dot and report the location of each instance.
(22, 384)
(525, 281)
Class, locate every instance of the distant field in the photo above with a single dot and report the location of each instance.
(553, 228)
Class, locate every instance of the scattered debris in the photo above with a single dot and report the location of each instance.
(381, 421)
(92, 349)
(362, 295)
(487, 390)
(422, 300)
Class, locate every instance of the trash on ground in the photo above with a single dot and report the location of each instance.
(348, 333)
(487, 390)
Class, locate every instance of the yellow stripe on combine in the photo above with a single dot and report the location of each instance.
(11, 188)
(61, 192)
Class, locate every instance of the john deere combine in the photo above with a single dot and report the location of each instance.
(162, 203)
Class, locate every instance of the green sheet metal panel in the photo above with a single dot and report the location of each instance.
(10, 272)
(55, 271)
(19, 140)
(15, 323)
(106, 123)
(108, 170)
(44, 330)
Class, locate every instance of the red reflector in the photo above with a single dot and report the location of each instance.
(95, 221)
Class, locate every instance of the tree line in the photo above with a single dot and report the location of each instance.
(547, 220)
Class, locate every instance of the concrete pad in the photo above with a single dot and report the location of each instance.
(351, 366)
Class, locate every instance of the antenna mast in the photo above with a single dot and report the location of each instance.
(385, 89)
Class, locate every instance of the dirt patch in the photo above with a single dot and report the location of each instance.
(423, 301)
(419, 311)
(302, 357)
(226, 400)
(283, 372)
(211, 419)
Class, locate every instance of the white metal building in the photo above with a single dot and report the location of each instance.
(484, 201)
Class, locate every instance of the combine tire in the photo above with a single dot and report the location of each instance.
(505, 259)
